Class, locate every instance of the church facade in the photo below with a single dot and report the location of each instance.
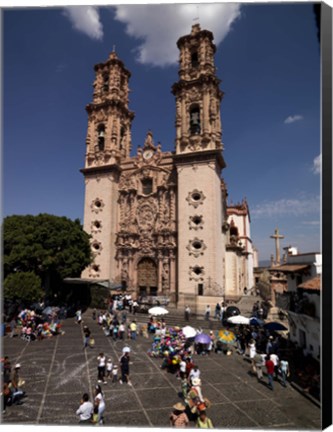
(159, 221)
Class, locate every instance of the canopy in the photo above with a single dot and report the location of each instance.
(238, 319)
(274, 326)
(157, 310)
(256, 321)
(189, 331)
(202, 338)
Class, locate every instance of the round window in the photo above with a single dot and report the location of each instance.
(197, 220)
(197, 245)
(196, 196)
(97, 224)
(197, 270)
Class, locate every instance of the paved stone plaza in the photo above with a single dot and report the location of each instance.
(58, 371)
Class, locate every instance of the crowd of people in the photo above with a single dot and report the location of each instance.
(12, 384)
(31, 326)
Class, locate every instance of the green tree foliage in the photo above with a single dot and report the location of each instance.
(49, 246)
(23, 286)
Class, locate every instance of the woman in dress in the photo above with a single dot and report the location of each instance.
(99, 402)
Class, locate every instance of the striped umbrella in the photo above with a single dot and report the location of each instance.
(227, 337)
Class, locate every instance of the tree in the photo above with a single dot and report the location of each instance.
(23, 286)
(51, 247)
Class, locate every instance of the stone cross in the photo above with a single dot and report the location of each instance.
(277, 238)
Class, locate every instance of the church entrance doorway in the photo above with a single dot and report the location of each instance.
(147, 277)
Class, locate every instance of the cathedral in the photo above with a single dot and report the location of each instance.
(159, 221)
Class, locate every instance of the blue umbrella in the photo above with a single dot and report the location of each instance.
(202, 338)
(274, 326)
(256, 321)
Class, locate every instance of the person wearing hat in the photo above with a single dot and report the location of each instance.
(178, 417)
(16, 382)
(194, 397)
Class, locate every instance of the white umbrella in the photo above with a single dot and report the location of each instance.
(189, 331)
(238, 319)
(126, 349)
(157, 310)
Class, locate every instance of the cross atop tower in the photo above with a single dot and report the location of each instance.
(277, 236)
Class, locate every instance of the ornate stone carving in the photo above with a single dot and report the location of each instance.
(196, 247)
(196, 273)
(196, 222)
(97, 205)
(195, 198)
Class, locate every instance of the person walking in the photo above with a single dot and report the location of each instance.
(187, 313)
(259, 363)
(207, 313)
(270, 371)
(284, 368)
(109, 366)
(124, 367)
(115, 373)
(203, 422)
(133, 328)
(178, 417)
(217, 311)
(87, 334)
(99, 403)
(275, 360)
(101, 359)
(85, 410)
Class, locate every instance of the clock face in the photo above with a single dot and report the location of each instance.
(147, 154)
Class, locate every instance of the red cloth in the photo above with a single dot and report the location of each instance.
(270, 367)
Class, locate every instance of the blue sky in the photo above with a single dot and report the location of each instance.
(268, 59)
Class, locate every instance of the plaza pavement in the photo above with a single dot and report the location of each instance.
(58, 371)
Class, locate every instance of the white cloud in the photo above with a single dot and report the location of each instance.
(287, 207)
(316, 169)
(85, 19)
(159, 26)
(293, 119)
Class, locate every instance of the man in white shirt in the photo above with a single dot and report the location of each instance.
(85, 409)
(194, 373)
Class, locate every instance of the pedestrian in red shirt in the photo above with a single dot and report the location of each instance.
(270, 371)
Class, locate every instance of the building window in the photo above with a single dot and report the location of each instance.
(147, 186)
(195, 127)
(105, 82)
(194, 59)
(101, 137)
(200, 289)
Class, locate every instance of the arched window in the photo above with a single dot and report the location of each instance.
(105, 82)
(234, 231)
(101, 136)
(122, 135)
(195, 59)
(195, 127)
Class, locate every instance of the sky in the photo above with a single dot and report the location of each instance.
(268, 60)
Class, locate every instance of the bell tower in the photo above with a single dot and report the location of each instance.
(109, 119)
(198, 97)
(199, 163)
(108, 145)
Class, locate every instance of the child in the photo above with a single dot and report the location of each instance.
(115, 373)
(109, 366)
(94, 418)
